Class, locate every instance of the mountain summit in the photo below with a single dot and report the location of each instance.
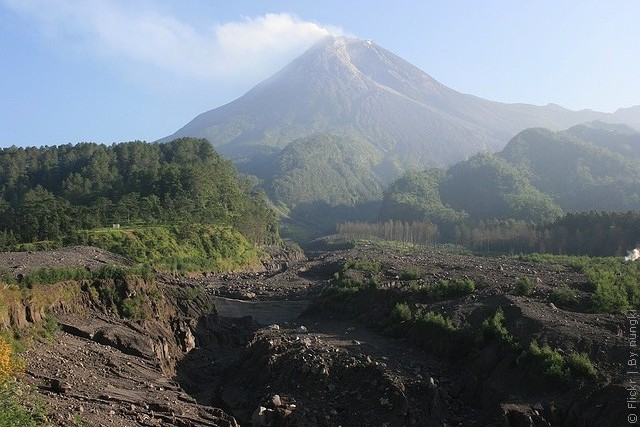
(356, 90)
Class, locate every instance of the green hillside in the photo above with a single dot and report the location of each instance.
(537, 176)
(334, 169)
(49, 195)
(593, 173)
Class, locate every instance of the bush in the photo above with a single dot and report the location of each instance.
(524, 286)
(395, 324)
(374, 283)
(133, 308)
(12, 393)
(564, 295)
(400, 313)
(344, 289)
(609, 298)
(556, 368)
(551, 361)
(580, 364)
(410, 273)
(370, 266)
(616, 285)
(494, 328)
(7, 363)
(444, 289)
(435, 319)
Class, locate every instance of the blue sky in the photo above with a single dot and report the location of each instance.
(111, 71)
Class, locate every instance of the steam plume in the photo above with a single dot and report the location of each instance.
(632, 255)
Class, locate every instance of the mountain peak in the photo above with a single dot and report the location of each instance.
(353, 87)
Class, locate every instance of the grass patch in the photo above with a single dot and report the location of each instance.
(13, 394)
(19, 406)
(48, 276)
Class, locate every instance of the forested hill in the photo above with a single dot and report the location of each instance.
(49, 193)
(538, 175)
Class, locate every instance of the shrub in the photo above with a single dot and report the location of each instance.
(374, 283)
(444, 289)
(550, 360)
(556, 368)
(410, 273)
(494, 328)
(133, 308)
(435, 319)
(400, 313)
(564, 295)
(580, 364)
(370, 266)
(524, 286)
(344, 289)
(7, 363)
(609, 298)
(395, 324)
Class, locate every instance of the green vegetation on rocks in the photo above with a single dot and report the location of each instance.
(558, 368)
(177, 248)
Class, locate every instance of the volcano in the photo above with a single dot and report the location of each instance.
(355, 90)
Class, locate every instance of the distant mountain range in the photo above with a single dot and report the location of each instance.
(347, 116)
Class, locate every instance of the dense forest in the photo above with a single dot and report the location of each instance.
(50, 193)
(538, 176)
(575, 191)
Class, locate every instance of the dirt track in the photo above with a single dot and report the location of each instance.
(75, 256)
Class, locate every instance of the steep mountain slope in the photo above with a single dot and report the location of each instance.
(363, 102)
(346, 85)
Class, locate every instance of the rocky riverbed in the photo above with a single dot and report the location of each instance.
(188, 365)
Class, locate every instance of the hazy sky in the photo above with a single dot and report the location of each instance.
(110, 71)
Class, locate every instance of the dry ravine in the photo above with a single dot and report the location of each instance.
(310, 356)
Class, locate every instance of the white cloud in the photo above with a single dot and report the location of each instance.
(141, 36)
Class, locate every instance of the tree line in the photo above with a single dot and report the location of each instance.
(46, 193)
(583, 233)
